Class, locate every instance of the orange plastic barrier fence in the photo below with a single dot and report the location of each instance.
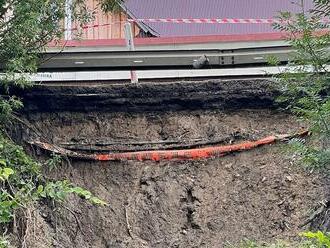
(199, 153)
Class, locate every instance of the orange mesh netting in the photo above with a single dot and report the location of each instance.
(198, 153)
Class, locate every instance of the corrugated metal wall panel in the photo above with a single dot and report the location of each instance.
(113, 31)
(211, 9)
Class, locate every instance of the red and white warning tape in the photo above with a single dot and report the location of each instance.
(194, 21)
(217, 20)
(94, 26)
(210, 21)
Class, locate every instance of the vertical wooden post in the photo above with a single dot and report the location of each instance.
(129, 37)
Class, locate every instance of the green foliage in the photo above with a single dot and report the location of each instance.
(22, 183)
(8, 106)
(322, 7)
(7, 205)
(87, 195)
(5, 172)
(305, 83)
(311, 240)
(4, 243)
(53, 161)
(59, 191)
(321, 240)
(26, 27)
(111, 5)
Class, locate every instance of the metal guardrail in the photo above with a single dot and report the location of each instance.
(101, 60)
(99, 76)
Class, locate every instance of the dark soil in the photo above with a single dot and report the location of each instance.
(259, 194)
(150, 96)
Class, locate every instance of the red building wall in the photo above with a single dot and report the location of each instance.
(113, 31)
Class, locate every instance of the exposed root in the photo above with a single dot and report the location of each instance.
(144, 145)
(128, 226)
(77, 221)
(28, 234)
(198, 153)
(28, 125)
(320, 218)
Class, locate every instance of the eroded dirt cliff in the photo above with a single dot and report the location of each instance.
(258, 194)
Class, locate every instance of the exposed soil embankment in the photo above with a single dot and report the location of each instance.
(258, 194)
(215, 94)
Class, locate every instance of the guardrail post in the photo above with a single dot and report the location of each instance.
(130, 45)
(68, 20)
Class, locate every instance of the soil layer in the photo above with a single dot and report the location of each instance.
(258, 194)
(150, 96)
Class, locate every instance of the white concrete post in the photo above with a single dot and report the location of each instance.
(68, 20)
(130, 45)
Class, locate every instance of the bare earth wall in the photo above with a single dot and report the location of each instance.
(258, 194)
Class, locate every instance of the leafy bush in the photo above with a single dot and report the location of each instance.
(320, 239)
(25, 30)
(22, 182)
(305, 83)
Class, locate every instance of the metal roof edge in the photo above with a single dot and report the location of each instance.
(142, 25)
(180, 40)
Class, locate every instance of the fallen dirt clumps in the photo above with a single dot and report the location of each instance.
(258, 194)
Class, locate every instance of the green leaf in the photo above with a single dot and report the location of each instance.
(97, 201)
(6, 173)
(82, 192)
(40, 189)
(322, 239)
